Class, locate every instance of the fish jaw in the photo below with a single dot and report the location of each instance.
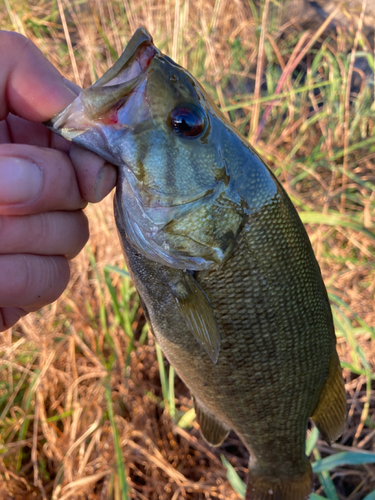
(114, 105)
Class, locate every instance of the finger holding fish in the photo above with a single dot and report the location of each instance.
(45, 182)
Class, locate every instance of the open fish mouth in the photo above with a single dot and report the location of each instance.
(104, 102)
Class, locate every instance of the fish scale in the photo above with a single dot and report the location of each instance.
(259, 349)
(224, 268)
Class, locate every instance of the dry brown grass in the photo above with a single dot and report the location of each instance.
(56, 437)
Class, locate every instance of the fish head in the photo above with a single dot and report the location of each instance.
(176, 200)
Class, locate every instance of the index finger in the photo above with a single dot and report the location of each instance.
(35, 91)
(32, 86)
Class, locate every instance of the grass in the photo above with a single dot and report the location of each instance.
(88, 407)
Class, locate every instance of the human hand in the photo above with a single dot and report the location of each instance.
(45, 182)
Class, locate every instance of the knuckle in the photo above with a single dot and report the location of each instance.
(14, 39)
(3, 226)
(15, 279)
(38, 230)
(66, 180)
(48, 278)
(83, 230)
(32, 280)
(2, 322)
(9, 316)
(79, 234)
(15, 43)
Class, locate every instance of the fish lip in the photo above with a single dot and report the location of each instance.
(116, 85)
(113, 87)
(140, 39)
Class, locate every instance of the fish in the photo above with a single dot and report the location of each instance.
(224, 268)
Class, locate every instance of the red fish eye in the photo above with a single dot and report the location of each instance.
(187, 120)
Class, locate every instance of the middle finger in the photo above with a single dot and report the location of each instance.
(51, 233)
(35, 180)
(96, 178)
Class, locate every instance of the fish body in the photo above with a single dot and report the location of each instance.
(222, 263)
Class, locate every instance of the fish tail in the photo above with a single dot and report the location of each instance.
(269, 487)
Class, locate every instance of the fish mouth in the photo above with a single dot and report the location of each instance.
(100, 103)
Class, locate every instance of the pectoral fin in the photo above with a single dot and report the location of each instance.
(196, 309)
(213, 429)
(329, 416)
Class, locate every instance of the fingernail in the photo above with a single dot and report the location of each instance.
(105, 181)
(20, 180)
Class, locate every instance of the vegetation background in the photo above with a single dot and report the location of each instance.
(88, 408)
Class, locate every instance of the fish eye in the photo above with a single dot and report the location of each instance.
(187, 120)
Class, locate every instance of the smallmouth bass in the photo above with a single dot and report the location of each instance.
(222, 263)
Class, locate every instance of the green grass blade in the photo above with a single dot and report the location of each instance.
(26, 421)
(325, 479)
(234, 479)
(171, 400)
(311, 441)
(327, 483)
(334, 219)
(144, 335)
(117, 270)
(343, 458)
(126, 293)
(102, 311)
(275, 97)
(359, 145)
(187, 419)
(60, 416)
(111, 49)
(116, 440)
(337, 300)
(114, 303)
(352, 368)
(163, 375)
